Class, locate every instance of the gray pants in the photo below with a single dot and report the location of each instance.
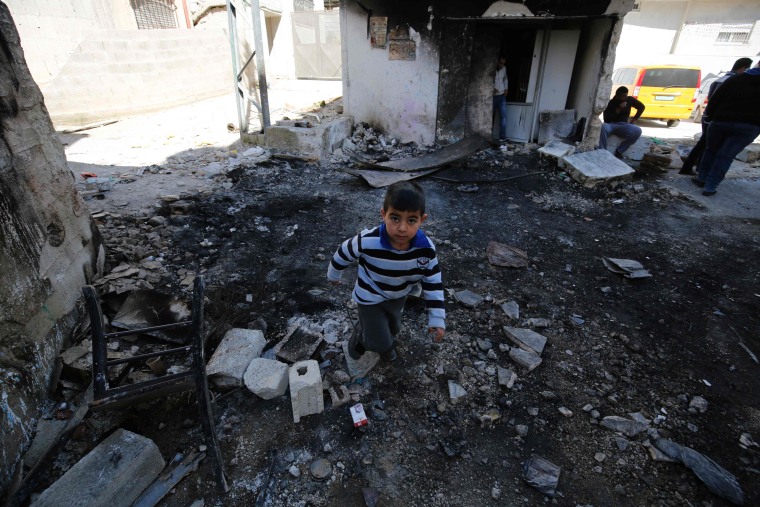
(380, 324)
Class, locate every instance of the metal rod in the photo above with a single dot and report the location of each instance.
(167, 352)
(232, 23)
(145, 330)
(245, 65)
(99, 359)
(260, 64)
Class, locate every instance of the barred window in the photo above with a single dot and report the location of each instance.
(737, 34)
(153, 14)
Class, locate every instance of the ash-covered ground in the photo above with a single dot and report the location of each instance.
(615, 346)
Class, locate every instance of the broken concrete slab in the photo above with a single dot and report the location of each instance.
(445, 155)
(750, 154)
(511, 309)
(306, 389)
(233, 356)
(113, 474)
(596, 167)
(468, 298)
(526, 339)
(542, 475)
(529, 360)
(556, 150)
(360, 367)
(299, 344)
(627, 427)
(381, 178)
(456, 392)
(626, 267)
(506, 377)
(636, 151)
(557, 124)
(506, 256)
(266, 378)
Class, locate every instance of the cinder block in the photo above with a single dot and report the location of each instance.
(266, 378)
(113, 474)
(306, 389)
(233, 356)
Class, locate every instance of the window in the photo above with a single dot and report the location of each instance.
(636, 7)
(673, 78)
(734, 34)
(152, 14)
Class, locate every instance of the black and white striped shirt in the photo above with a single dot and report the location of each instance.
(385, 273)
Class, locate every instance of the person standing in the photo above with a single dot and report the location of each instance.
(695, 154)
(617, 122)
(500, 89)
(734, 112)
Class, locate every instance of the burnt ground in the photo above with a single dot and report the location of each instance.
(620, 345)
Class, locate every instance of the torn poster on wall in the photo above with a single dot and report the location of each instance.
(401, 46)
(378, 29)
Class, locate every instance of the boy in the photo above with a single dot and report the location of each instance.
(393, 258)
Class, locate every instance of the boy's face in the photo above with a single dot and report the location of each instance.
(401, 226)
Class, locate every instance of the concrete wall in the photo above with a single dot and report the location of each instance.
(399, 97)
(48, 249)
(93, 64)
(649, 36)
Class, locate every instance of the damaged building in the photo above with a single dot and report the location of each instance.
(432, 79)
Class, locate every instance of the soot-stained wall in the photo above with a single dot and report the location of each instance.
(49, 249)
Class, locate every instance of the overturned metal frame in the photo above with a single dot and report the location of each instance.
(258, 52)
(106, 397)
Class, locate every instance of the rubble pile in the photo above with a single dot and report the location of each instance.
(368, 144)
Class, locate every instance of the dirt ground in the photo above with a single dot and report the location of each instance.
(263, 235)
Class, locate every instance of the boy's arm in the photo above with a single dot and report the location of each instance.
(432, 290)
(346, 253)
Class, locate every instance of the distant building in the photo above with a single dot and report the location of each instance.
(710, 34)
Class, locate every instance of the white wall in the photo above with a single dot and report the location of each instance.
(648, 35)
(399, 97)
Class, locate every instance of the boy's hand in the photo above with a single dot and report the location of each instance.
(438, 333)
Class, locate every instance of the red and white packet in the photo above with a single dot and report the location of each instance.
(357, 413)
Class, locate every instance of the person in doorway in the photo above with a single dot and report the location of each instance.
(392, 258)
(734, 112)
(617, 121)
(500, 89)
(695, 154)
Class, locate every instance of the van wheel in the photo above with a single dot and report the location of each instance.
(673, 123)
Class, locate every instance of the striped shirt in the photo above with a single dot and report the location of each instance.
(385, 273)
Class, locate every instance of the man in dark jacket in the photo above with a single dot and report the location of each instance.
(695, 154)
(616, 121)
(734, 112)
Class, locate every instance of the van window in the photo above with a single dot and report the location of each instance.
(677, 78)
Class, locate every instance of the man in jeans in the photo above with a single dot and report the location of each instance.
(695, 154)
(500, 89)
(616, 121)
(734, 112)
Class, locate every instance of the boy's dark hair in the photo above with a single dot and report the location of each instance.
(742, 63)
(620, 90)
(405, 196)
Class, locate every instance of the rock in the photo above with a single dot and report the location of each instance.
(525, 359)
(565, 411)
(233, 356)
(371, 496)
(549, 395)
(699, 403)
(595, 414)
(506, 377)
(588, 407)
(619, 490)
(625, 426)
(468, 298)
(157, 221)
(542, 475)
(526, 339)
(294, 471)
(320, 469)
(717, 479)
(521, 430)
(495, 493)
(511, 310)
(492, 355)
(600, 457)
(341, 377)
(266, 378)
(532, 411)
(538, 322)
(503, 255)
(485, 345)
(622, 443)
(456, 392)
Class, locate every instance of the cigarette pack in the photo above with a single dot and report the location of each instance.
(357, 413)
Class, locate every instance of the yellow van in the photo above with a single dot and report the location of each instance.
(669, 92)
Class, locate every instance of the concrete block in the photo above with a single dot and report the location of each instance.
(113, 474)
(266, 378)
(596, 167)
(526, 339)
(556, 150)
(317, 142)
(750, 154)
(555, 124)
(299, 344)
(335, 132)
(233, 356)
(529, 360)
(306, 389)
(358, 368)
